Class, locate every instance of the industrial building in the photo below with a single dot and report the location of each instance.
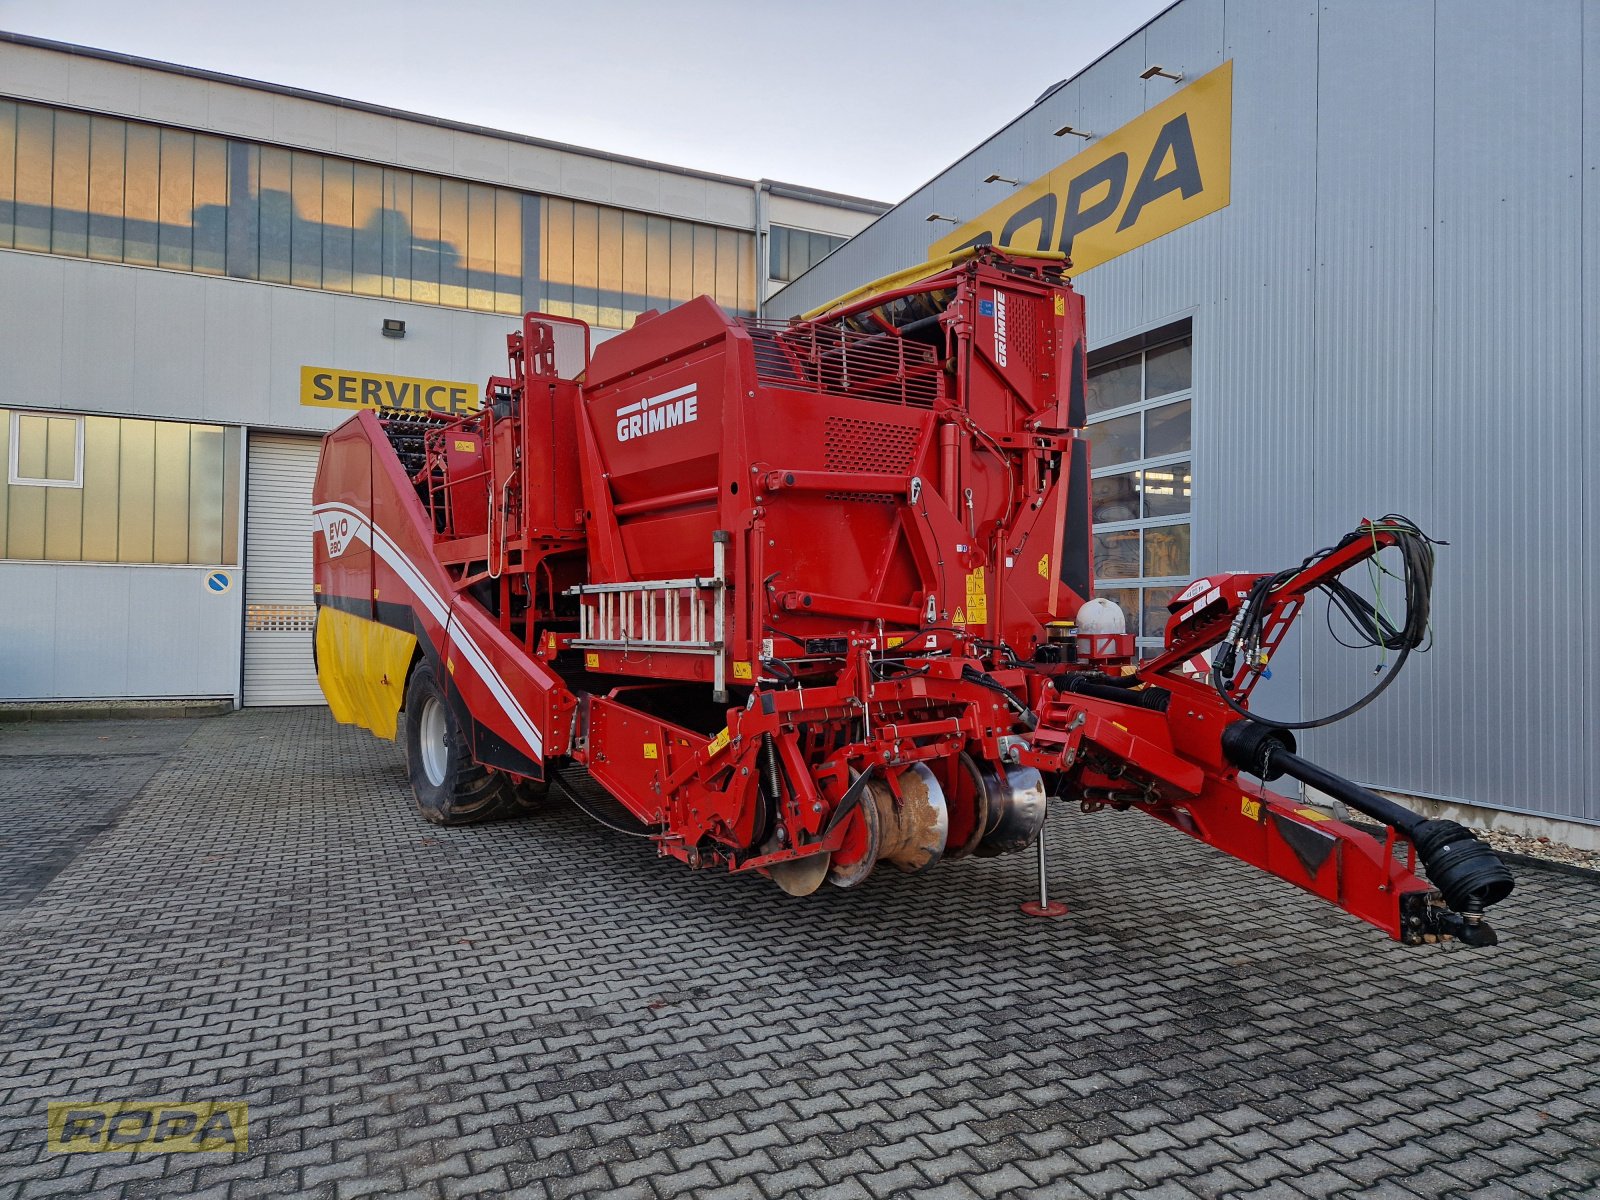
(200, 274)
(1339, 261)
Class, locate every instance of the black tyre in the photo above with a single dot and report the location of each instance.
(449, 788)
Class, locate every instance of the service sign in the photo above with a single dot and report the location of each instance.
(329, 387)
(1157, 173)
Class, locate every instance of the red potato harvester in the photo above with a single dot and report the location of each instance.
(805, 599)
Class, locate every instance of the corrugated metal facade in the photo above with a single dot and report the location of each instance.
(1395, 313)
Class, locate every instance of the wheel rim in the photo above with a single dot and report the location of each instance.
(431, 732)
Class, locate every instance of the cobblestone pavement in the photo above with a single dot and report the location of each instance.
(246, 908)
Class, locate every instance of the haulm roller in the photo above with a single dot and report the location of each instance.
(812, 599)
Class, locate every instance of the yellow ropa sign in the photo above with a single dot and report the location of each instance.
(149, 1125)
(1155, 174)
(329, 387)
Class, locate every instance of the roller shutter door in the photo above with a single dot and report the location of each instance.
(278, 609)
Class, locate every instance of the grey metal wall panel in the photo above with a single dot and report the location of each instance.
(1396, 312)
(78, 631)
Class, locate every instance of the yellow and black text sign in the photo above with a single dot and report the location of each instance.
(150, 1126)
(329, 387)
(1158, 172)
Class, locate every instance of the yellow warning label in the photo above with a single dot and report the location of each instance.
(895, 641)
(1061, 306)
(741, 670)
(716, 745)
(450, 665)
(650, 750)
(591, 660)
(1312, 814)
(977, 598)
(1044, 563)
(466, 446)
(959, 617)
(550, 642)
(1250, 808)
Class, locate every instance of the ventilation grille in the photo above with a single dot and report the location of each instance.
(853, 445)
(279, 618)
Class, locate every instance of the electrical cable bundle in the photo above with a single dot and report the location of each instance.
(1370, 622)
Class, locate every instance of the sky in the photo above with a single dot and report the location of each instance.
(869, 99)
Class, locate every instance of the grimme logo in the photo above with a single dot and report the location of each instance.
(1000, 328)
(160, 1126)
(655, 413)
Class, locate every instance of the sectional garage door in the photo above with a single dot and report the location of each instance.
(278, 610)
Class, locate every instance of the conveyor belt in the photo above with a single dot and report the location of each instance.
(577, 785)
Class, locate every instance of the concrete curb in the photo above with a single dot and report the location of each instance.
(112, 710)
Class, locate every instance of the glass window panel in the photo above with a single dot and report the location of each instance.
(176, 237)
(244, 210)
(1114, 441)
(480, 247)
(171, 492)
(35, 143)
(232, 446)
(8, 195)
(778, 253)
(608, 274)
(205, 493)
(727, 292)
(370, 236)
(507, 251)
(210, 216)
(1127, 599)
(555, 257)
(136, 491)
(1116, 555)
(1166, 429)
(1167, 369)
(453, 205)
(1156, 600)
(1166, 550)
(1116, 497)
(658, 263)
(635, 277)
(338, 224)
(305, 234)
(682, 283)
(102, 451)
(705, 261)
(33, 448)
(1113, 385)
(63, 523)
(586, 263)
(277, 214)
(747, 275)
(5, 457)
(410, 255)
(1166, 490)
(61, 449)
(142, 196)
(107, 163)
(69, 196)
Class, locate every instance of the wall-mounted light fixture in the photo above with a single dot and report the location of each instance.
(393, 328)
(1066, 129)
(1160, 72)
(999, 179)
(940, 217)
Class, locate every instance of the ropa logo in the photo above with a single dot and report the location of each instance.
(149, 1125)
(655, 413)
(1000, 328)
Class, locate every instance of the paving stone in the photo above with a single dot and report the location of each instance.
(545, 1008)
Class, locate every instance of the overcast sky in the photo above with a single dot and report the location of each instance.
(866, 98)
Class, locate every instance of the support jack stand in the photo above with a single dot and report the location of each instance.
(1043, 906)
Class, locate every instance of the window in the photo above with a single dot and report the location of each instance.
(45, 450)
(606, 266)
(1139, 409)
(119, 490)
(793, 252)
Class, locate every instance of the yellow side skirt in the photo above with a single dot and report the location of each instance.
(362, 666)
